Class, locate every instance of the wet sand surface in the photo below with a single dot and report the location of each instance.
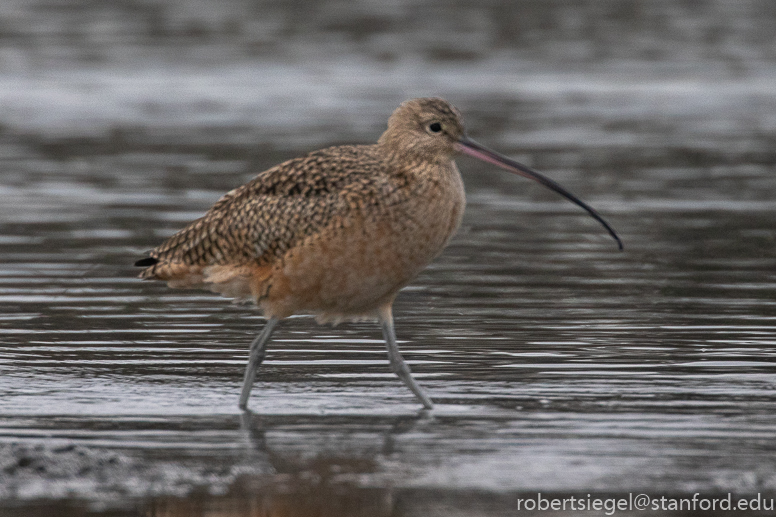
(558, 364)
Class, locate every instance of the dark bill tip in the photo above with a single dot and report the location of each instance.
(469, 147)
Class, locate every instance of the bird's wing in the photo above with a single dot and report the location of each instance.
(258, 222)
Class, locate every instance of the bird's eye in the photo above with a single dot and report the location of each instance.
(435, 127)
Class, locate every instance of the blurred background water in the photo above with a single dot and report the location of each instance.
(558, 364)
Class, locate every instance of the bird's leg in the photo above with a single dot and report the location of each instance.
(398, 365)
(257, 353)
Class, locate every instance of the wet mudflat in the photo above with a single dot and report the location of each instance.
(558, 365)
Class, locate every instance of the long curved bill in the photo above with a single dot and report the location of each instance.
(468, 146)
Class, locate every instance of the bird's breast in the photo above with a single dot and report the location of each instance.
(364, 258)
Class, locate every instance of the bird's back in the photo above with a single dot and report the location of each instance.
(234, 246)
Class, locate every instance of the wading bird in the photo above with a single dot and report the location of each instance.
(338, 232)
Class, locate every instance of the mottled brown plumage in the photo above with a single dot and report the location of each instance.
(327, 233)
(336, 233)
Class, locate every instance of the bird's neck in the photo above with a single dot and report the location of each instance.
(408, 157)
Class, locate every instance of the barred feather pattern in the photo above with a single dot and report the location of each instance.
(260, 221)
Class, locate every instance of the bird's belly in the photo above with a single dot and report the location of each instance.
(351, 270)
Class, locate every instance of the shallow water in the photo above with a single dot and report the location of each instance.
(558, 365)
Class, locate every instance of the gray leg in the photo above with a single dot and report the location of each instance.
(258, 350)
(398, 365)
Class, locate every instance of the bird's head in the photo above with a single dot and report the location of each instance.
(427, 129)
(430, 130)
